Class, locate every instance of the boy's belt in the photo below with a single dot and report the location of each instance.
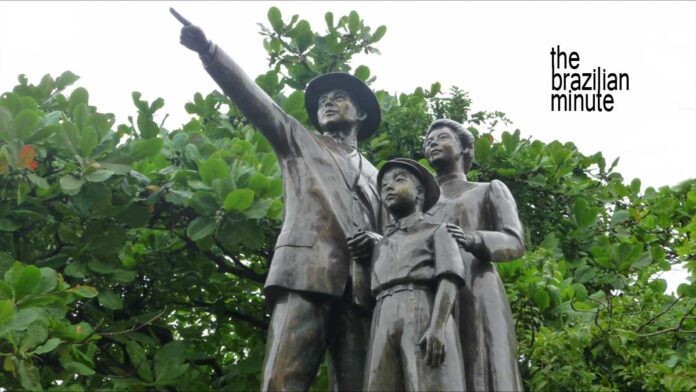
(401, 287)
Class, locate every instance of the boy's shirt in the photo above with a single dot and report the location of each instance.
(415, 251)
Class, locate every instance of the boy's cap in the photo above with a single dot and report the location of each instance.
(431, 189)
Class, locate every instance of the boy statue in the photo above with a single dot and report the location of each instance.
(416, 273)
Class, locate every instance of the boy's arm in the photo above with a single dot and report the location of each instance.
(433, 340)
(449, 271)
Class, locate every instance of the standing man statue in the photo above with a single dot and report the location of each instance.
(330, 197)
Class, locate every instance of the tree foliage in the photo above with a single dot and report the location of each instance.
(134, 255)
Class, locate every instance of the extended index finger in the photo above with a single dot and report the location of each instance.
(180, 18)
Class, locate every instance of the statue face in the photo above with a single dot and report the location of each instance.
(442, 147)
(337, 110)
(400, 192)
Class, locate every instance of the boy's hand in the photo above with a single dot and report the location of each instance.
(433, 342)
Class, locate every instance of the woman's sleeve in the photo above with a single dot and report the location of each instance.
(504, 241)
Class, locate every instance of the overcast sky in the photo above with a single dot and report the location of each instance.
(497, 51)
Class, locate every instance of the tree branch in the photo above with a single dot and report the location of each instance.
(640, 328)
(677, 329)
(133, 329)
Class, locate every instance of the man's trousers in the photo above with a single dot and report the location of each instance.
(303, 326)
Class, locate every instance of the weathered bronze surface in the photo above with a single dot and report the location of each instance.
(416, 272)
(330, 196)
(490, 232)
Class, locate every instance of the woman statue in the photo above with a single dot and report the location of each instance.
(490, 232)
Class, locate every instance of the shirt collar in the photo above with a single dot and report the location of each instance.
(456, 176)
(404, 223)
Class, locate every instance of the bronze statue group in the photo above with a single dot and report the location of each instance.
(389, 270)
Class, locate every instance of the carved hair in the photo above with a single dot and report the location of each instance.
(466, 139)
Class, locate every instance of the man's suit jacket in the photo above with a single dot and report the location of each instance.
(321, 209)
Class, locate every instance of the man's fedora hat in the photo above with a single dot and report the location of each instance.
(427, 180)
(358, 91)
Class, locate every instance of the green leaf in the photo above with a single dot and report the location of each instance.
(169, 362)
(78, 332)
(38, 181)
(29, 376)
(35, 334)
(7, 310)
(43, 133)
(139, 359)
(99, 175)
(47, 347)
(329, 18)
(25, 122)
(88, 140)
(146, 148)
(201, 227)
(204, 203)
(78, 96)
(6, 125)
(303, 35)
(213, 168)
(258, 209)
(542, 299)
(259, 183)
(275, 211)
(148, 128)
(104, 241)
(276, 20)
(644, 261)
(379, 33)
(48, 281)
(8, 225)
(23, 318)
(434, 89)
(275, 188)
(239, 200)
(136, 353)
(101, 267)
(66, 79)
(5, 290)
(584, 215)
(362, 73)
(294, 105)
(353, 22)
(77, 368)
(84, 291)
(156, 105)
(619, 217)
(482, 149)
(26, 281)
(580, 291)
(136, 215)
(70, 184)
(123, 276)
(110, 300)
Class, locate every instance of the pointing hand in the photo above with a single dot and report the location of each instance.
(192, 36)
